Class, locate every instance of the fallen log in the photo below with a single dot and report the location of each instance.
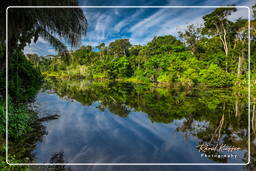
(48, 118)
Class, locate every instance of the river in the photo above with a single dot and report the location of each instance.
(111, 122)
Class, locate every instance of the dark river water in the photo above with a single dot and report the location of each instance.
(106, 122)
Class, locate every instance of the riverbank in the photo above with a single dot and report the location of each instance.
(162, 105)
(241, 84)
(92, 110)
(24, 131)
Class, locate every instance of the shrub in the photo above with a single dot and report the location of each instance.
(119, 67)
(184, 70)
(19, 117)
(214, 76)
(23, 79)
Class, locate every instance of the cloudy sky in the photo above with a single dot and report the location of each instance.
(140, 25)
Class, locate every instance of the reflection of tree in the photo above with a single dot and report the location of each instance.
(224, 111)
(23, 146)
(252, 164)
(187, 124)
(229, 128)
(58, 158)
(119, 109)
(217, 132)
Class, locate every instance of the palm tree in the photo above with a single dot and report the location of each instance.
(51, 24)
(29, 24)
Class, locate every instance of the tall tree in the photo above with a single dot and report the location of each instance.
(217, 24)
(102, 47)
(191, 37)
(120, 47)
(164, 44)
(240, 47)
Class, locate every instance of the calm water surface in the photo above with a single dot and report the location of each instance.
(104, 122)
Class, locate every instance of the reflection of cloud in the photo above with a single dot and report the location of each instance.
(86, 134)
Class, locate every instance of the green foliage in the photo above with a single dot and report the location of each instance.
(184, 69)
(24, 80)
(82, 56)
(162, 44)
(214, 76)
(155, 66)
(19, 119)
(5, 167)
(216, 21)
(2, 69)
(191, 36)
(34, 23)
(208, 54)
(2, 118)
(162, 104)
(119, 47)
(119, 67)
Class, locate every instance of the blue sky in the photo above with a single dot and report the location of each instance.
(139, 25)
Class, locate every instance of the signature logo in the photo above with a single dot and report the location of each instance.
(217, 148)
(207, 150)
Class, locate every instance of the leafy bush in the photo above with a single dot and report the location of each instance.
(19, 117)
(140, 75)
(184, 69)
(119, 67)
(214, 76)
(24, 80)
(156, 65)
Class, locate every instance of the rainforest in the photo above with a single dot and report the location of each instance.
(120, 102)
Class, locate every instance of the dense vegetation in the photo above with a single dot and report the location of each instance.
(214, 55)
(24, 80)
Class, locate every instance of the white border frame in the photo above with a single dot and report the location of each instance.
(168, 164)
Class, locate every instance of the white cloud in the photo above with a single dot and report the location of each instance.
(242, 12)
(51, 51)
(32, 48)
(116, 11)
(106, 25)
(99, 25)
(29, 50)
(150, 21)
(168, 28)
(41, 40)
(166, 22)
(127, 20)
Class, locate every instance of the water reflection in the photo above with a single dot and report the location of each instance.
(108, 122)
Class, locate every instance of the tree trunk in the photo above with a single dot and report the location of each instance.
(238, 113)
(239, 66)
(253, 120)
(223, 38)
(225, 45)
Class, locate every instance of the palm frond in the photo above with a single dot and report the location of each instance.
(69, 24)
(56, 43)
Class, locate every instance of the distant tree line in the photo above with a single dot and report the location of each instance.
(215, 55)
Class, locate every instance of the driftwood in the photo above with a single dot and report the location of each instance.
(48, 118)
